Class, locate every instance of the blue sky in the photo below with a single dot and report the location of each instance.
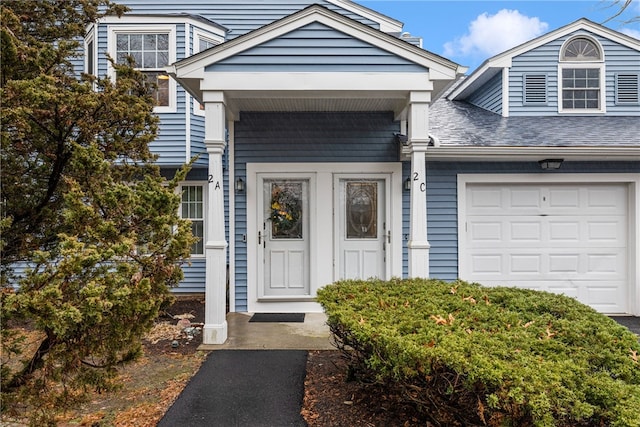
(470, 31)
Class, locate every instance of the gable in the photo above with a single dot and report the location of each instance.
(319, 48)
(540, 50)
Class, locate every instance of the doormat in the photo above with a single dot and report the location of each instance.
(278, 317)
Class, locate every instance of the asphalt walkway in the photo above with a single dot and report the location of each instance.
(244, 388)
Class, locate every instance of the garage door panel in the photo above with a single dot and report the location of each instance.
(564, 198)
(564, 231)
(523, 198)
(528, 231)
(569, 239)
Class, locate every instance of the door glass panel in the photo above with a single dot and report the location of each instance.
(285, 213)
(361, 210)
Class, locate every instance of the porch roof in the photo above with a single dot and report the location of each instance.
(324, 89)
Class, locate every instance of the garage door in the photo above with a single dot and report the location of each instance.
(569, 239)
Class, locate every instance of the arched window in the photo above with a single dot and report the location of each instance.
(582, 71)
(581, 49)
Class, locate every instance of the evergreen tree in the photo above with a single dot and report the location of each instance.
(82, 204)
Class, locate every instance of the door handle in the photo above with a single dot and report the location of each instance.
(259, 237)
(389, 236)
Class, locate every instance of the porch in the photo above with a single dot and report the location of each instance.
(312, 334)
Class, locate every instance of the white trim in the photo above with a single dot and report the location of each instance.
(321, 242)
(156, 19)
(232, 214)
(114, 30)
(520, 154)
(318, 81)
(631, 179)
(505, 92)
(198, 35)
(88, 38)
(187, 113)
(602, 88)
(591, 64)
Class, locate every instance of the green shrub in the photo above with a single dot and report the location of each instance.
(472, 355)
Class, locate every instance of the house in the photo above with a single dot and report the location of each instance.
(331, 145)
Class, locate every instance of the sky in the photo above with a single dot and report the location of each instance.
(470, 31)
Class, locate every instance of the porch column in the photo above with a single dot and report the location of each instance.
(215, 318)
(418, 133)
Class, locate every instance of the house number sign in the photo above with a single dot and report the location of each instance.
(211, 180)
(423, 185)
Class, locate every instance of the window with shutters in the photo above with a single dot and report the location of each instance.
(535, 89)
(581, 77)
(627, 88)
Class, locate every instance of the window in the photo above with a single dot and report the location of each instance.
(152, 49)
(150, 53)
(581, 77)
(204, 44)
(581, 88)
(192, 208)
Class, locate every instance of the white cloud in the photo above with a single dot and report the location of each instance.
(491, 34)
(631, 32)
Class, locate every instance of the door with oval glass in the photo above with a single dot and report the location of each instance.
(284, 237)
(362, 232)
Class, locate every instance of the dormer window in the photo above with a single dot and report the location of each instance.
(581, 72)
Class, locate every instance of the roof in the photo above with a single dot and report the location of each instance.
(164, 16)
(458, 123)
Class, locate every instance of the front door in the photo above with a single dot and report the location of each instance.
(362, 231)
(283, 237)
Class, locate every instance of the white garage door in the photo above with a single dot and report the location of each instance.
(569, 239)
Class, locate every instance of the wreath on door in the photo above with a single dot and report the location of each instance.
(285, 211)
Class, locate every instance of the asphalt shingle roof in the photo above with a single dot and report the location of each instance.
(458, 123)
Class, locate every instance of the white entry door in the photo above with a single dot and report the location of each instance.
(362, 232)
(283, 238)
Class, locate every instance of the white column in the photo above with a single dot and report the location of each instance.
(418, 134)
(215, 318)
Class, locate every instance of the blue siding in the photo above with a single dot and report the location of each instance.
(194, 277)
(316, 47)
(304, 137)
(489, 96)
(442, 206)
(240, 16)
(544, 60)
(198, 147)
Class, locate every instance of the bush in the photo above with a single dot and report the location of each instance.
(472, 355)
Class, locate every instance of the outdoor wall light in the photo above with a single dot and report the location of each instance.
(550, 164)
(407, 184)
(239, 185)
(401, 138)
